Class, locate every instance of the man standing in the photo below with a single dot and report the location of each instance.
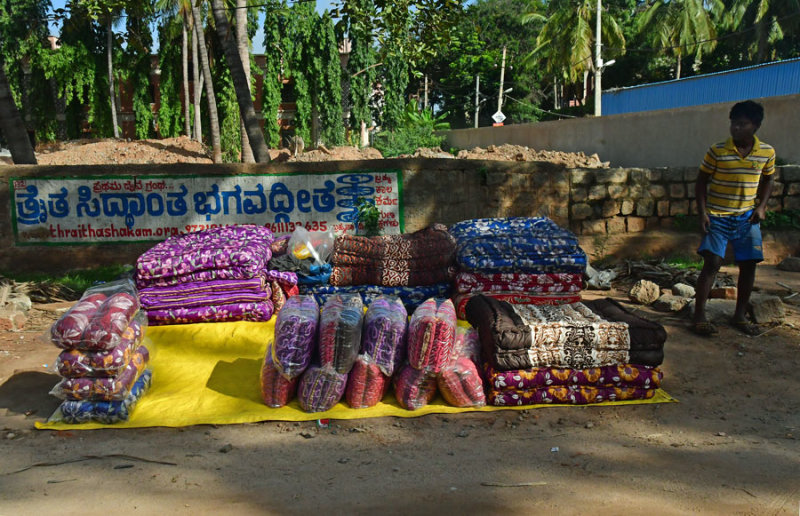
(733, 186)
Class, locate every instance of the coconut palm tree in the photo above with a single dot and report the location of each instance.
(684, 27)
(243, 46)
(216, 146)
(12, 126)
(770, 19)
(240, 83)
(183, 9)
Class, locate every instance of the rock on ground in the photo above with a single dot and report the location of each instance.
(645, 292)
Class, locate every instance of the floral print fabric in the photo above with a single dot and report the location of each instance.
(295, 335)
(245, 248)
(72, 363)
(384, 336)
(320, 389)
(340, 332)
(518, 298)
(431, 334)
(467, 282)
(105, 412)
(413, 388)
(570, 394)
(276, 389)
(619, 375)
(366, 384)
(115, 388)
(259, 312)
(411, 297)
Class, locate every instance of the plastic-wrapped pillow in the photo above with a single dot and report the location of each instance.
(295, 334)
(114, 316)
(67, 332)
(340, 332)
(366, 384)
(467, 344)
(72, 363)
(461, 384)
(384, 335)
(431, 334)
(106, 412)
(115, 388)
(276, 389)
(320, 389)
(414, 388)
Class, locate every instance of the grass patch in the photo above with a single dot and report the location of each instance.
(684, 262)
(77, 280)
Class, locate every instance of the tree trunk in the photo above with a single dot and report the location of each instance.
(243, 45)
(60, 106)
(556, 103)
(111, 88)
(187, 123)
(197, 85)
(585, 87)
(212, 99)
(678, 67)
(240, 84)
(12, 126)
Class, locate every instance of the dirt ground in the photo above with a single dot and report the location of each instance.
(730, 446)
(185, 150)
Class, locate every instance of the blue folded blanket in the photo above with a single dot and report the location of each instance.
(411, 297)
(106, 412)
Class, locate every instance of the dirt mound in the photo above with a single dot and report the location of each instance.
(186, 150)
(508, 152)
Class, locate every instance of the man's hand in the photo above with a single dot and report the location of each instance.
(705, 222)
(758, 215)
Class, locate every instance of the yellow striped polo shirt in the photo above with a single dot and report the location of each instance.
(735, 178)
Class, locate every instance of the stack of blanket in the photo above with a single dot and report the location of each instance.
(413, 266)
(526, 260)
(583, 352)
(103, 362)
(218, 274)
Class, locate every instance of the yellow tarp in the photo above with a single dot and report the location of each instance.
(209, 374)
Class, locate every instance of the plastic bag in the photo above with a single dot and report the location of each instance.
(414, 388)
(97, 320)
(431, 334)
(366, 384)
(276, 390)
(305, 244)
(320, 389)
(295, 334)
(384, 335)
(461, 384)
(467, 344)
(115, 388)
(73, 363)
(106, 412)
(340, 331)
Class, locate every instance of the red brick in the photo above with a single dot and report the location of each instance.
(723, 293)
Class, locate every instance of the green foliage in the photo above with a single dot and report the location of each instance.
(275, 46)
(361, 69)
(77, 280)
(416, 130)
(687, 223)
(229, 121)
(680, 261)
(788, 219)
(395, 81)
(170, 113)
(368, 216)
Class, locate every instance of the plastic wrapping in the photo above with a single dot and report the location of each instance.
(366, 384)
(105, 412)
(414, 388)
(97, 305)
(276, 389)
(431, 334)
(72, 363)
(461, 384)
(311, 244)
(295, 334)
(384, 334)
(320, 389)
(467, 344)
(115, 388)
(340, 332)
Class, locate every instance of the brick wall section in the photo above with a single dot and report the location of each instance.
(591, 202)
(633, 200)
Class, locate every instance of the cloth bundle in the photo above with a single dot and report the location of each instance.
(73, 363)
(320, 389)
(411, 297)
(384, 336)
(366, 384)
(106, 412)
(621, 375)
(431, 334)
(517, 298)
(460, 382)
(425, 257)
(569, 394)
(530, 245)
(113, 388)
(340, 332)
(97, 321)
(276, 389)
(414, 388)
(295, 336)
(219, 274)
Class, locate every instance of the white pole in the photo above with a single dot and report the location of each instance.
(477, 100)
(502, 76)
(598, 64)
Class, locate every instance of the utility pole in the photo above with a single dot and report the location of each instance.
(502, 76)
(425, 104)
(477, 99)
(598, 64)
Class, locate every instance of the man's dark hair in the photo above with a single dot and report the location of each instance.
(748, 109)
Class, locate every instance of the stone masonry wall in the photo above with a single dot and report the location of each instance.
(633, 200)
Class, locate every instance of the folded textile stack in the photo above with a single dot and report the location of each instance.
(218, 274)
(411, 297)
(425, 257)
(525, 260)
(103, 365)
(602, 350)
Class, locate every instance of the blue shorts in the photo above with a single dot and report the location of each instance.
(736, 229)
